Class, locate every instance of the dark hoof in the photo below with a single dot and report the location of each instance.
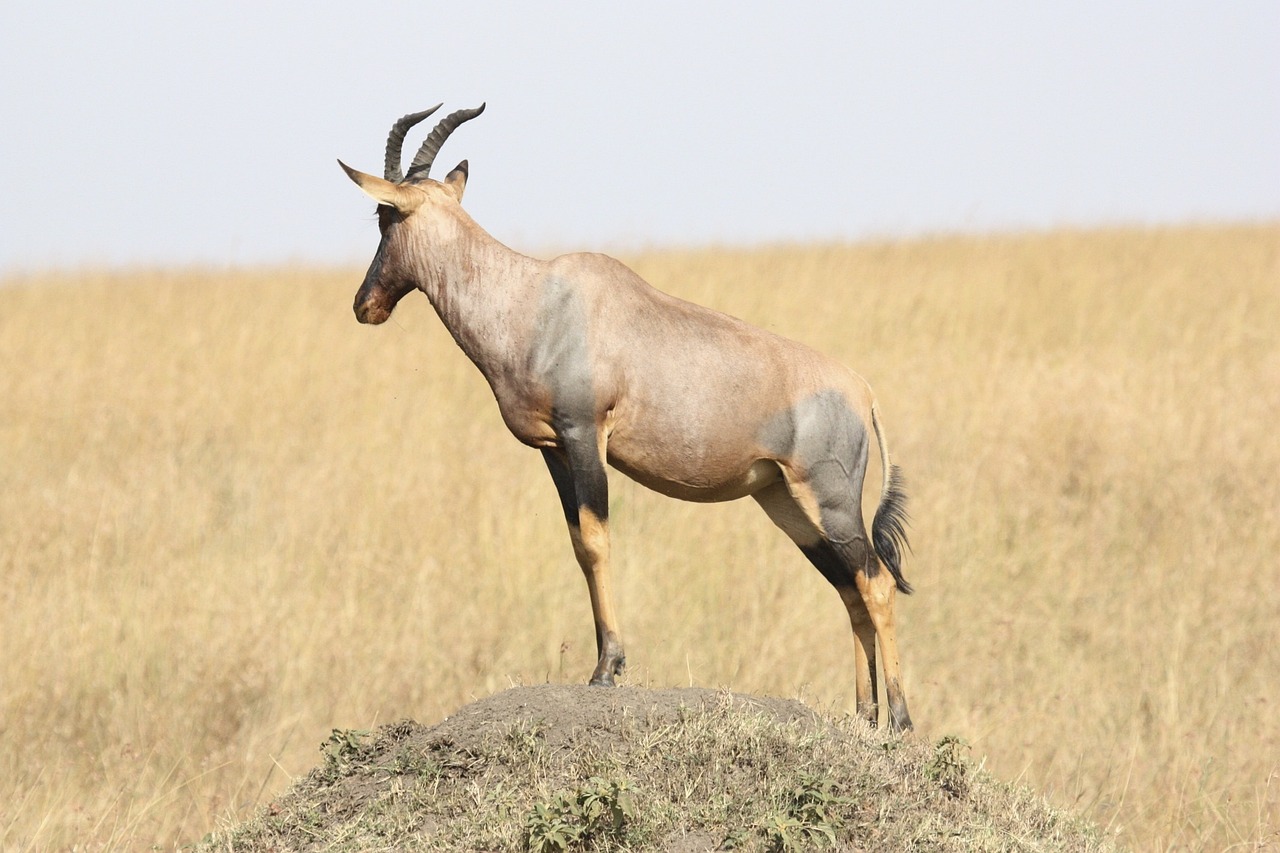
(608, 667)
(899, 722)
(899, 718)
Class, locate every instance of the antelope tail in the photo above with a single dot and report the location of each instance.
(889, 527)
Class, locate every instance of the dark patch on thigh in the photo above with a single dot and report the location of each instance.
(591, 485)
(823, 438)
(581, 449)
(581, 481)
(828, 561)
(564, 485)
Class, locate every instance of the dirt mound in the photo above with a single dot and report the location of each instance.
(558, 767)
(570, 715)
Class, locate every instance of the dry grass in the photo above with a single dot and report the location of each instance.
(231, 520)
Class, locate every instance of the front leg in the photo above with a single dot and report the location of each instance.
(579, 474)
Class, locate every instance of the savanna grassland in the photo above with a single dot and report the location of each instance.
(231, 520)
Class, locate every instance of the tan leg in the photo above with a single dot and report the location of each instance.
(864, 656)
(583, 486)
(591, 547)
(877, 595)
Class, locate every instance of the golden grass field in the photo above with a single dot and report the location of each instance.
(232, 519)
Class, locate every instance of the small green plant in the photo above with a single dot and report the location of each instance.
(949, 766)
(813, 803)
(809, 815)
(784, 833)
(599, 808)
(340, 748)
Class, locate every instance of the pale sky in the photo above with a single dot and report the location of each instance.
(139, 132)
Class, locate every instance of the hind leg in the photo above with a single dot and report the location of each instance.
(864, 650)
(783, 509)
(842, 552)
(836, 510)
(878, 591)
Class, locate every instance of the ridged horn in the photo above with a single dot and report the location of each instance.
(395, 141)
(421, 165)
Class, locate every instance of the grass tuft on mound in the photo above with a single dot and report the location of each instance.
(557, 768)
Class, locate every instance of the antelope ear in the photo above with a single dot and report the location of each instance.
(456, 181)
(405, 199)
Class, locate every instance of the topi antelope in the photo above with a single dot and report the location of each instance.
(592, 365)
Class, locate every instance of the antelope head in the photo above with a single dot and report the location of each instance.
(403, 199)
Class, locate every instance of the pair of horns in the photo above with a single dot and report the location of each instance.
(421, 165)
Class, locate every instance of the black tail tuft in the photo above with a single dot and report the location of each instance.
(889, 528)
